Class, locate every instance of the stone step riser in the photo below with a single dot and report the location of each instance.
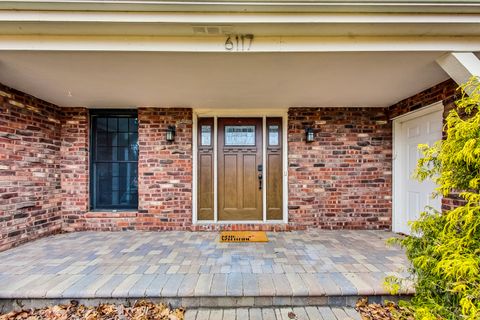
(206, 302)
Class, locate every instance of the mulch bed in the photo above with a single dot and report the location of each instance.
(387, 311)
(141, 310)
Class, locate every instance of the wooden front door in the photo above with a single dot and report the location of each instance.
(240, 171)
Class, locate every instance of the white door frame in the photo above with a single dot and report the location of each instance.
(398, 167)
(245, 113)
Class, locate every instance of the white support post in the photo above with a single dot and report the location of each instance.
(460, 66)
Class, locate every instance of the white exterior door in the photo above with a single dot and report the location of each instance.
(410, 195)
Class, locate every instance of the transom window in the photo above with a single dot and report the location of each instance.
(114, 154)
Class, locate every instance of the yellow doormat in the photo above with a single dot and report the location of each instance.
(243, 236)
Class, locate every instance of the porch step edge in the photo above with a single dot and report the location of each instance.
(9, 304)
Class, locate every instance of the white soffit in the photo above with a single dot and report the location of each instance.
(221, 80)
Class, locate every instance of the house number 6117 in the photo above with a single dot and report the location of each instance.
(239, 42)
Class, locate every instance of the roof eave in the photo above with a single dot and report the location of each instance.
(398, 6)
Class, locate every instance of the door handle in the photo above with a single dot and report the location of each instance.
(260, 181)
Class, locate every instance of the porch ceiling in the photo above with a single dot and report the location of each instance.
(220, 80)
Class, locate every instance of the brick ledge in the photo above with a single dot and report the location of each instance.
(111, 214)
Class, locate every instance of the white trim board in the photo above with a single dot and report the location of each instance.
(264, 166)
(437, 106)
(194, 166)
(229, 113)
(217, 44)
(341, 6)
(229, 18)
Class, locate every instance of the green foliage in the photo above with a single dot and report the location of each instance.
(445, 247)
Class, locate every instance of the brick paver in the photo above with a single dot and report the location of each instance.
(192, 264)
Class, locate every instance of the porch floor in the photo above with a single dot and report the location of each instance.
(179, 265)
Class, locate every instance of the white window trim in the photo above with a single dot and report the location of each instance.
(397, 167)
(228, 113)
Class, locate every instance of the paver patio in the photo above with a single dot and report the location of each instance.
(310, 264)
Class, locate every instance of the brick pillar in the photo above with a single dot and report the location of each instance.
(164, 169)
(75, 167)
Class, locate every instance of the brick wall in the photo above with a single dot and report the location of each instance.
(164, 169)
(443, 91)
(343, 178)
(30, 184)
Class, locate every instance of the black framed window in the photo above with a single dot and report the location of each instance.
(114, 159)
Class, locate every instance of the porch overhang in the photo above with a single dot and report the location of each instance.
(279, 20)
(235, 54)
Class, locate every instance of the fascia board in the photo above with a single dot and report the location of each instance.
(418, 6)
(233, 18)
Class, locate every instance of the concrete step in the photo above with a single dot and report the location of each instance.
(206, 301)
(284, 313)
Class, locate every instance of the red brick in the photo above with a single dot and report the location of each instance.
(342, 180)
(30, 186)
(75, 167)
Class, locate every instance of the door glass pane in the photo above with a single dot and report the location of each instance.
(239, 135)
(122, 140)
(273, 138)
(102, 139)
(112, 124)
(206, 135)
(122, 153)
(101, 124)
(105, 154)
(123, 124)
(112, 139)
(133, 125)
(104, 179)
(133, 147)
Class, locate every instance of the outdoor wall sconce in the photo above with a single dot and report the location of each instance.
(171, 133)
(309, 134)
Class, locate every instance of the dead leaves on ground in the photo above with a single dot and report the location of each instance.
(387, 311)
(141, 310)
(146, 310)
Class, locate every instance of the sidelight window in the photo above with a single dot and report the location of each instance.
(206, 135)
(273, 135)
